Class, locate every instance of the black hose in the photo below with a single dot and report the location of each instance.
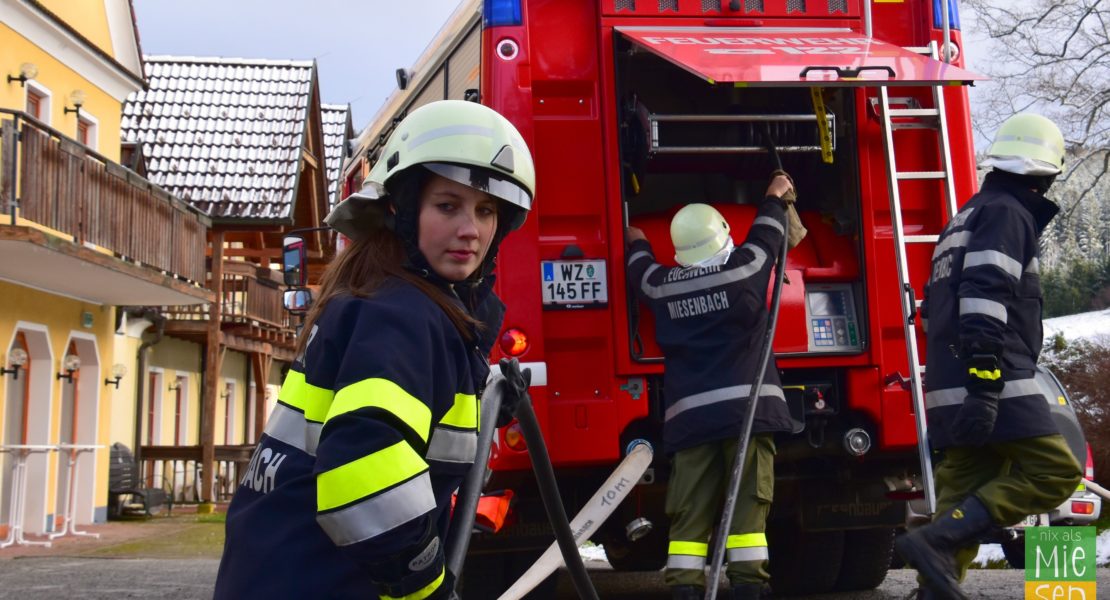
(733, 489)
(549, 491)
(459, 534)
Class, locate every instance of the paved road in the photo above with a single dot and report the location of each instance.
(96, 578)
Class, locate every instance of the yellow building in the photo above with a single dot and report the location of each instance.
(80, 236)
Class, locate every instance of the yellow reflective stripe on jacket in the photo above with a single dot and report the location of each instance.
(311, 400)
(986, 374)
(367, 475)
(423, 592)
(688, 548)
(746, 540)
(464, 413)
(388, 396)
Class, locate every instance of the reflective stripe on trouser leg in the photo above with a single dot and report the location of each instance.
(746, 547)
(693, 502)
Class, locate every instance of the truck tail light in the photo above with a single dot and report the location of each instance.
(1080, 507)
(514, 342)
(514, 437)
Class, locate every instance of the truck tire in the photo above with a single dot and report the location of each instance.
(866, 559)
(803, 562)
(1014, 550)
(489, 575)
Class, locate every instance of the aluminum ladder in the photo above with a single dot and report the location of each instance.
(935, 119)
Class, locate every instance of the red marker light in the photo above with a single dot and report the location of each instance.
(1082, 508)
(513, 342)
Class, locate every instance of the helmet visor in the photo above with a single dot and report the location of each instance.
(484, 180)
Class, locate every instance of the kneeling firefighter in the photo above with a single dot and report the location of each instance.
(710, 319)
(1003, 457)
(348, 494)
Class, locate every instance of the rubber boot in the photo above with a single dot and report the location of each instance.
(747, 591)
(687, 592)
(931, 549)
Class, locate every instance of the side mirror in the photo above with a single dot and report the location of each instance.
(298, 301)
(294, 261)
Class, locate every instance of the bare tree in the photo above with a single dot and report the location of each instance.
(1051, 57)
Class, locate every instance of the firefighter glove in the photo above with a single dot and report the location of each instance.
(795, 231)
(984, 373)
(516, 389)
(975, 420)
(788, 197)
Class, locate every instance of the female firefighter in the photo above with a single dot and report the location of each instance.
(710, 317)
(376, 423)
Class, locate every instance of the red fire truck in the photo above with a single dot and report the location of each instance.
(633, 108)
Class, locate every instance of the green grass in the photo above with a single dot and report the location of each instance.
(187, 536)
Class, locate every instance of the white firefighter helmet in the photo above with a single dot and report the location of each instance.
(462, 141)
(700, 234)
(1027, 144)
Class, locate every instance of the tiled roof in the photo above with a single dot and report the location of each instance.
(223, 134)
(337, 132)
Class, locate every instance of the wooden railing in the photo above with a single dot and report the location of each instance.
(250, 295)
(177, 469)
(56, 182)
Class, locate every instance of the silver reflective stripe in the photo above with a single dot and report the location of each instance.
(1034, 266)
(993, 258)
(378, 514)
(685, 561)
(982, 306)
(638, 255)
(679, 288)
(448, 131)
(290, 426)
(1028, 139)
(1017, 388)
(956, 240)
(702, 242)
(452, 445)
(724, 394)
(747, 554)
(768, 221)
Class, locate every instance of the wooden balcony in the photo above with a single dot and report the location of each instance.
(252, 315)
(76, 223)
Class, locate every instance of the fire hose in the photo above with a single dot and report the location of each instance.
(459, 536)
(721, 533)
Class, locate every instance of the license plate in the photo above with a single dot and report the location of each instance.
(574, 283)
(1028, 521)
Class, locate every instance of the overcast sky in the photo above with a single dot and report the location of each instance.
(358, 44)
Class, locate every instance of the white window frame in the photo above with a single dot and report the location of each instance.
(94, 129)
(32, 86)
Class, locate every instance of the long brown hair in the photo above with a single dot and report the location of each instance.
(363, 267)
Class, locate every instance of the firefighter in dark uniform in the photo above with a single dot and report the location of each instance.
(1003, 457)
(348, 492)
(710, 318)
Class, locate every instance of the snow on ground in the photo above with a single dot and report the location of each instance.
(1094, 326)
(993, 552)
